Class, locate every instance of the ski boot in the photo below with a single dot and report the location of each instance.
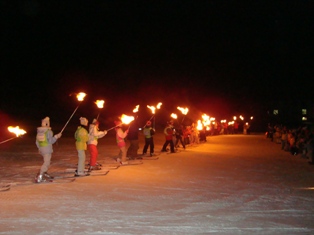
(39, 178)
(81, 174)
(94, 168)
(47, 176)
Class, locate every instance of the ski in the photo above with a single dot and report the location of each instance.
(132, 162)
(73, 176)
(5, 188)
(148, 157)
(52, 181)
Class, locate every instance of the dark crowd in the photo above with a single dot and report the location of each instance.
(296, 141)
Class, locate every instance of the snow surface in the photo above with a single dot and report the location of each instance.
(232, 184)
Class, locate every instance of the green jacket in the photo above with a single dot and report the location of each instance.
(81, 136)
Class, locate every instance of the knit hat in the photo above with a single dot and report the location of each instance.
(45, 122)
(83, 121)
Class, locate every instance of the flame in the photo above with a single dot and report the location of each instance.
(16, 130)
(206, 120)
(173, 115)
(184, 111)
(199, 125)
(135, 110)
(80, 96)
(251, 118)
(152, 108)
(158, 105)
(234, 118)
(241, 117)
(126, 119)
(100, 103)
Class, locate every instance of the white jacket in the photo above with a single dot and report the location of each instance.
(94, 134)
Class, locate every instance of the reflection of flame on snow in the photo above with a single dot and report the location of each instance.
(306, 188)
(16, 130)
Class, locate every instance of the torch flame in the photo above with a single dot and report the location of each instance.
(206, 120)
(16, 130)
(173, 115)
(183, 110)
(126, 119)
(135, 110)
(158, 105)
(80, 96)
(199, 125)
(152, 108)
(100, 103)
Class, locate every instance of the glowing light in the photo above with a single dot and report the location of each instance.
(135, 110)
(80, 96)
(152, 108)
(100, 103)
(159, 105)
(173, 115)
(184, 111)
(16, 130)
(199, 125)
(126, 119)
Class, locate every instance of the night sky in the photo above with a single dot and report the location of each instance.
(216, 57)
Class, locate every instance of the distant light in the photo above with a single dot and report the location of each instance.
(304, 118)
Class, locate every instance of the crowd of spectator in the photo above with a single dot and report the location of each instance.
(297, 141)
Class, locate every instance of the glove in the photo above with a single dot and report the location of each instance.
(57, 136)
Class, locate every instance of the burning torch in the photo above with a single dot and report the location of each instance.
(80, 97)
(16, 130)
(184, 111)
(153, 109)
(124, 119)
(100, 105)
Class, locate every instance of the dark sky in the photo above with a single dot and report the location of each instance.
(216, 56)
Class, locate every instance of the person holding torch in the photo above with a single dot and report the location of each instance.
(81, 136)
(120, 136)
(94, 135)
(44, 141)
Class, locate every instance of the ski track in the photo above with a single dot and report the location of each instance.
(244, 196)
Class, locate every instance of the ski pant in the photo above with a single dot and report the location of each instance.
(45, 166)
(93, 154)
(149, 142)
(164, 147)
(132, 150)
(122, 153)
(179, 139)
(81, 162)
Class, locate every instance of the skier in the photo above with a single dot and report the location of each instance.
(149, 140)
(44, 141)
(179, 136)
(81, 136)
(168, 131)
(93, 136)
(133, 139)
(120, 136)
